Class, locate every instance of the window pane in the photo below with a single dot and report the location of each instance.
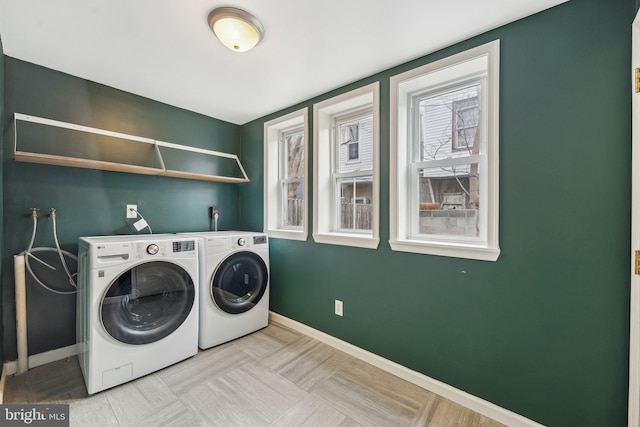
(448, 200)
(448, 124)
(355, 144)
(293, 195)
(295, 155)
(354, 203)
(353, 151)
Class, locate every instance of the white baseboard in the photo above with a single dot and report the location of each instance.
(458, 396)
(40, 359)
(2, 382)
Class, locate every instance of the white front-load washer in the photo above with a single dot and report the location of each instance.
(234, 285)
(137, 306)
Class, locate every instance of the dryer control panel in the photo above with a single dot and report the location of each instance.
(260, 240)
(184, 246)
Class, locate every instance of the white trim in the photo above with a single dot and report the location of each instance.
(347, 239)
(272, 205)
(3, 380)
(450, 249)
(463, 398)
(40, 359)
(403, 86)
(634, 312)
(323, 113)
(80, 128)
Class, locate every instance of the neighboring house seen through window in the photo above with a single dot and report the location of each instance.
(466, 115)
(349, 135)
(352, 177)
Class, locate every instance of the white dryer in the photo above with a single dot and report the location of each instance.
(234, 285)
(137, 306)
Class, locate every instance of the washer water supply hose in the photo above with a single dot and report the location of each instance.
(28, 254)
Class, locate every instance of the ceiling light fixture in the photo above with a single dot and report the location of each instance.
(237, 29)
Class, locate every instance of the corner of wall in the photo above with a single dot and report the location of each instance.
(1, 182)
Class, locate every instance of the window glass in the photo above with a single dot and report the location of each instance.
(295, 154)
(353, 174)
(449, 200)
(354, 203)
(291, 178)
(355, 142)
(448, 121)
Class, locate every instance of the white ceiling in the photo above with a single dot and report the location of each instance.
(164, 50)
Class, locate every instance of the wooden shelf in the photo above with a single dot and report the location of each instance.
(49, 159)
(65, 144)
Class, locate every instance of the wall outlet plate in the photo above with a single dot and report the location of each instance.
(338, 307)
(132, 211)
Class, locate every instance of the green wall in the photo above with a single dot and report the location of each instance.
(91, 202)
(544, 330)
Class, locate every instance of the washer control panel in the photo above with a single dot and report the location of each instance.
(145, 249)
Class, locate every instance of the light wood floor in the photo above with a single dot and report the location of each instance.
(274, 377)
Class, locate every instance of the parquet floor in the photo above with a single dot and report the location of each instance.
(273, 377)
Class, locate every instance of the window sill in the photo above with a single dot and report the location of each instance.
(287, 234)
(347, 239)
(456, 250)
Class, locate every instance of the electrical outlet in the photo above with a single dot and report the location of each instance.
(338, 307)
(132, 211)
(212, 211)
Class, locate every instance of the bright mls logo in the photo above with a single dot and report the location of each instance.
(35, 415)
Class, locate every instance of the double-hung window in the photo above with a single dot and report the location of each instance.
(285, 201)
(346, 169)
(444, 156)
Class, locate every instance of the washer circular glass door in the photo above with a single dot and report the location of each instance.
(147, 302)
(239, 282)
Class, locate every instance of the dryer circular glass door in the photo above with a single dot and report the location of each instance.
(147, 302)
(239, 282)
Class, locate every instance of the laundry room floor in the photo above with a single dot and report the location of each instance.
(273, 377)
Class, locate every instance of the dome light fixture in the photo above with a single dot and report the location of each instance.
(237, 29)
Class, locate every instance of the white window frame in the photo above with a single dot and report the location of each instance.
(274, 164)
(323, 165)
(404, 89)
